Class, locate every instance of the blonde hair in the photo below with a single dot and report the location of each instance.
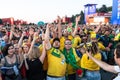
(35, 53)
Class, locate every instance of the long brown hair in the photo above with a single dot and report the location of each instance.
(93, 48)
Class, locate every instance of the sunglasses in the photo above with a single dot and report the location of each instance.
(68, 43)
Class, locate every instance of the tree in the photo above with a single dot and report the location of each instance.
(103, 9)
(97, 10)
(81, 18)
(109, 8)
(72, 19)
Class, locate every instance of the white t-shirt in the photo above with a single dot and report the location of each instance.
(117, 69)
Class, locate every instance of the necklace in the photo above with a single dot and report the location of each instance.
(11, 59)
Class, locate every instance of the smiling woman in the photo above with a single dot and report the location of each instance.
(10, 64)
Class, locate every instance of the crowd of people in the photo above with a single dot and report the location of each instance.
(59, 52)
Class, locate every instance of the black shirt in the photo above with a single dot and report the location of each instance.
(35, 69)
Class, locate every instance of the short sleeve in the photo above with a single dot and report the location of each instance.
(117, 69)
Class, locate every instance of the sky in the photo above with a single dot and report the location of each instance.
(45, 10)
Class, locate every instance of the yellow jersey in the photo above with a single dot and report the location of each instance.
(56, 65)
(88, 63)
(76, 41)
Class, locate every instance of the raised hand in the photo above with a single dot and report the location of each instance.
(77, 18)
(43, 36)
(35, 36)
(31, 32)
(24, 34)
(58, 18)
(12, 28)
(49, 25)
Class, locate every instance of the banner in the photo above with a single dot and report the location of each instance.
(115, 12)
(89, 9)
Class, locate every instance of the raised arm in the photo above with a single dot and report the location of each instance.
(11, 33)
(76, 26)
(32, 44)
(21, 39)
(31, 34)
(98, 28)
(47, 41)
(102, 64)
(35, 36)
(42, 57)
(54, 31)
(30, 38)
(15, 34)
(59, 27)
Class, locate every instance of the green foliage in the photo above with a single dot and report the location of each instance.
(81, 18)
(104, 8)
(73, 18)
(109, 8)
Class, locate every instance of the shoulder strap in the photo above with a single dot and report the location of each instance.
(5, 61)
(17, 61)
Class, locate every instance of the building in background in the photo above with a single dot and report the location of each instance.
(64, 20)
(11, 21)
(89, 9)
(95, 19)
(17, 22)
(91, 17)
